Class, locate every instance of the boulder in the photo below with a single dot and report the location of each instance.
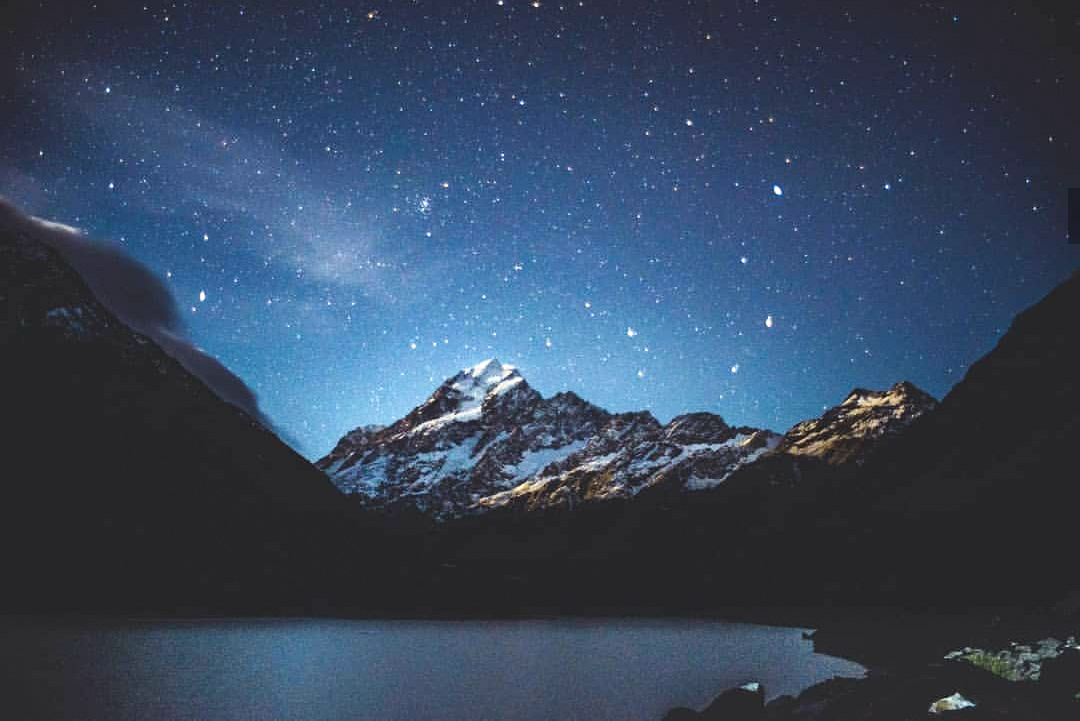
(743, 703)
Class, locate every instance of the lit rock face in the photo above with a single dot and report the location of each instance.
(845, 433)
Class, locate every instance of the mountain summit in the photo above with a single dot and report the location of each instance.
(486, 440)
(461, 398)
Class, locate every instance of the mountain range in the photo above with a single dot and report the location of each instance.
(131, 486)
(486, 440)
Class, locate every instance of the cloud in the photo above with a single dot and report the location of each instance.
(137, 297)
(324, 229)
(308, 222)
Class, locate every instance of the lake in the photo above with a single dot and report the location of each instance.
(313, 669)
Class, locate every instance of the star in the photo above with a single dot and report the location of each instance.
(396, 176)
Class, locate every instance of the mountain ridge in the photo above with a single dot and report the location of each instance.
(485, 439)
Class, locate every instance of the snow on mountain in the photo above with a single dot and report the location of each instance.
(485, 439)
(468, 391)
(848, 431)
(622, 464)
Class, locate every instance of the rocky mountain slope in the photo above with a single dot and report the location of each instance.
(988, 479)
(129, 485)
(850, 431)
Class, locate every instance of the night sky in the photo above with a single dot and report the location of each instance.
(747, 208)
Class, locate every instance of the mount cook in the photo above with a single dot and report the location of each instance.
(486, 440)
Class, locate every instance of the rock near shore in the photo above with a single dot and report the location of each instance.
(743, 703)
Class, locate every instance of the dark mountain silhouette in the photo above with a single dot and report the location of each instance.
(129, 485)
(986, 500)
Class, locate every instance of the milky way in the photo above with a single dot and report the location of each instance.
(741, 207)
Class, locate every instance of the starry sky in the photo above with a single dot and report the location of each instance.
(740, 207)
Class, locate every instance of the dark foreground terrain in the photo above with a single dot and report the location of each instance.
(974, 666)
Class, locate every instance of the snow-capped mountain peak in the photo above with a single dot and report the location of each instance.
(489, 377)
(485, 439)
(462, 398)
(489, 371)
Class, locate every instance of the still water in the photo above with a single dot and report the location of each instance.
(310, 669)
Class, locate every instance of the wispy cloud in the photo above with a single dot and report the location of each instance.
(137, 297)
(308, 224)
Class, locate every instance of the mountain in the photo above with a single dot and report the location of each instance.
(485, 439)
(129, 485)
(851, 431)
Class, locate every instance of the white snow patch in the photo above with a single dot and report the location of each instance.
(363, 478)
(489, 372)
(600, 462)
(471, 412)
(334, 467)
(697, 483)
(505, 385)
(438, 464)
(532, 462)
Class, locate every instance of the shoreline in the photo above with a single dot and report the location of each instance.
(916, 668)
